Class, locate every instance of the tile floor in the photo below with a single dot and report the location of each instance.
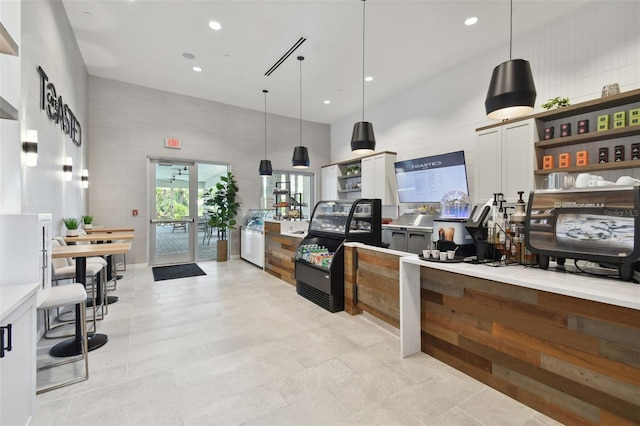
(238, 346)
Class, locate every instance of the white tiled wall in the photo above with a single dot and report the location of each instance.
(573, 57)
(128, 124)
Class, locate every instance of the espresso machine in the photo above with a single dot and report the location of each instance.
(597, 224)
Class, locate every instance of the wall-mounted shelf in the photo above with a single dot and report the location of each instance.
(342, 191)
(8, 46)
(593, 167)
(357, 175)
(7, 111)
(589, 137)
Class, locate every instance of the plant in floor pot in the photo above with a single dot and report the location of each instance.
(71, 223)
(221, 200)
(87, 221)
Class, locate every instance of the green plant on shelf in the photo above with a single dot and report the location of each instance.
(558, 102)
(87, 219)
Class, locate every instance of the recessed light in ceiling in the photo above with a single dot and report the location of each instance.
(368, 78)
(188, 55)
(215, 25)
(470, 21)
(197, 69)
(327, 102)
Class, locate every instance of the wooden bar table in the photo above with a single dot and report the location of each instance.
(108, 230)
(104, 237)
(72, 347)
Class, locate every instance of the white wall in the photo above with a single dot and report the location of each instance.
(573, 57)
(48, 41)
(128, 124)
(10, 140)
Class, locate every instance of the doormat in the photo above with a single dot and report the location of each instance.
(161, 273)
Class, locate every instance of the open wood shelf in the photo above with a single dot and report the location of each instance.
(611, 101)
(7, 111)
(357, 175)
(592, 167)
(8, 45)
(589, 137)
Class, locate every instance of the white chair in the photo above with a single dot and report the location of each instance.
(61, 296)
(62, 270)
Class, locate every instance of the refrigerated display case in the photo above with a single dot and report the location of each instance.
(319, 265)
(252, 235)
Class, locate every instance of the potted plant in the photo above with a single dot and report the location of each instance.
(558, 102)
(87, 221)
(355, 169)
(71, 223)
(221, 200)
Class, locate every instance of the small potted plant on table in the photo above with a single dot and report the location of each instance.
(87, 221)
(71, 223)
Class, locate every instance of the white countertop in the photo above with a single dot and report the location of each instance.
(605, 290)
(294, 234)
(12, 296)
(409, 227)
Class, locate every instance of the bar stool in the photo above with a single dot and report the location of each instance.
(60, 296)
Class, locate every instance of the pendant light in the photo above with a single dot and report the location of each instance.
(512, 92)
(265, 165)
(300, 154)
(363, 140)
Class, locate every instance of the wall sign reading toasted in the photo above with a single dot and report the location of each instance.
(57, 110)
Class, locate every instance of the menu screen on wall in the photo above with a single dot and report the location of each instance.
(427, 179)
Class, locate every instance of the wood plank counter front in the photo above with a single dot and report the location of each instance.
(567, 345)
(279, 253)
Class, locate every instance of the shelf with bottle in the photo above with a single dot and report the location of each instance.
(315, 254)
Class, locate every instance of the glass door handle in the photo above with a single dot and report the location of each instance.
(187, 220)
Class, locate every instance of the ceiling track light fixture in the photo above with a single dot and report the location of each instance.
(363, 141)
(512, 92)
(300, 153)
(265, 165)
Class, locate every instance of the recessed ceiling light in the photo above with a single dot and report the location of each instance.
(327, 102)
(215, 25)
(188, 55)
(368, 78)
(197, 69)
(470, 21)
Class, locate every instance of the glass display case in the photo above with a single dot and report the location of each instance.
(252, 235)
(320, 256)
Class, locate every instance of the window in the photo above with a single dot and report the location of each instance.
(300, 187)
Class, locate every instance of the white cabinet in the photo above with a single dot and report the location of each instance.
(18, 365)
(378, 178)
(330, 182)
(27, 262)
(505, 160)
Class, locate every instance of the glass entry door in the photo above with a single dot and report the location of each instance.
(179, 230)
(173, 212)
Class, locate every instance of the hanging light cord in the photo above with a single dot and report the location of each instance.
(364, 5)
(510, 29)
(300, 58)
(265, 124)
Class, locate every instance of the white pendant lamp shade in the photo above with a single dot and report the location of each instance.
(512, 92)
(300, 158)
(363, 140)
(265, 168)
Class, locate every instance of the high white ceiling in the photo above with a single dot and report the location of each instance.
(407, 42)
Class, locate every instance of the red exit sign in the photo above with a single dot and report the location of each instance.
(172, 143)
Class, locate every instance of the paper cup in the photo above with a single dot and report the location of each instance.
(426, 253)
(443, 255)
(435, 253)
(451, 254)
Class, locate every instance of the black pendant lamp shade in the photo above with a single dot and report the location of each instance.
(363, 139)
(300, 158)
(265, 165)
(512, 92)
(265, 168)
